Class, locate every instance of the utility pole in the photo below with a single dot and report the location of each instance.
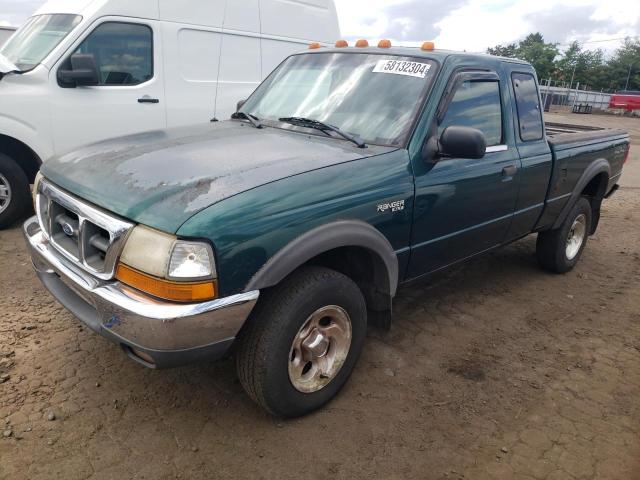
(573, 74)
(626, 87)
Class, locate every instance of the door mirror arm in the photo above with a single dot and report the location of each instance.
(431, 153)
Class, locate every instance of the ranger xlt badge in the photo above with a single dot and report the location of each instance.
(396, 206)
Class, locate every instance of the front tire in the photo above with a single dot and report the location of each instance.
(302, 342)
(15, 197)
(560, 250)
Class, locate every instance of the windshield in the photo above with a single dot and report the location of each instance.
(37, 38)
(373, 97)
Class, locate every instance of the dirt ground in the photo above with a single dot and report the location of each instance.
(493, 370)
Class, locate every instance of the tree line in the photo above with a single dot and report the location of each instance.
(590, 68)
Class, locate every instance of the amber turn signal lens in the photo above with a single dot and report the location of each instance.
(158, 287)
(428, 46)
(362, 43)
(384, 44)
(342, 44)
(314, 46)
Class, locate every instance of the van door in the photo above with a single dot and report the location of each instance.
(129, 98)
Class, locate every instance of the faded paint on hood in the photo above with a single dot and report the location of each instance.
(163, 178)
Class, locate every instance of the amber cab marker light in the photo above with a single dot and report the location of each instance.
(384, 44)
(428, 46)
(362, 43)
(342, 44)
(161, 288)
(314, 46)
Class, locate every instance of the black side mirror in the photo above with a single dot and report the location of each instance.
(240, 105)
(462, 142)
(83, 73)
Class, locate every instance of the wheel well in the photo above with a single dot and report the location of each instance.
(24, 157)
(365, 268)
(596, 187)
(595, 192)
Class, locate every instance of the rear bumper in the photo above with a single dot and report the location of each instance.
(155, 333)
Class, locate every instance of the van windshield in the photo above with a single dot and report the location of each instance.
(37, 38)
(374, 97)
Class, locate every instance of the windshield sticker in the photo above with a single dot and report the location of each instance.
(402, 67)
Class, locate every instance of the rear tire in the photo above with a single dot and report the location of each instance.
(302, 342)
(560, 250)
(15, 196)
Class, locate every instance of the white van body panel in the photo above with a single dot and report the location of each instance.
(207, 55)
(309, 19)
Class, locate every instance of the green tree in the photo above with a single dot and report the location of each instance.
(534, 50)
(586, 67)
(624, 64)
(509, 51)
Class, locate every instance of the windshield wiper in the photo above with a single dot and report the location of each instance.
(323, 127)
(255, 121)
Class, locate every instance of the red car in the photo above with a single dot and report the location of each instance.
(626, 100)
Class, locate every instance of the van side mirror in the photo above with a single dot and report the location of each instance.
(240, 105)
(462, 142)
(83, 73)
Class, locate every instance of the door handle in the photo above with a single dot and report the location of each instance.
(148, 99)
(509, 171)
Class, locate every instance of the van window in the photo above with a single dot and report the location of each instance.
(123, 52)
(528, 104)
(476, 104)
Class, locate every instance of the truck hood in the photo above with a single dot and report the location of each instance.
(163, 178)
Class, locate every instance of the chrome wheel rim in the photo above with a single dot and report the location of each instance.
(577, 234)
(320, 349)
(5, 193)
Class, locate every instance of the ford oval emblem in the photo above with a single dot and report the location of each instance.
(68, 229)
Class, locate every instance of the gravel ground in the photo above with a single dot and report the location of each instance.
(494, 369)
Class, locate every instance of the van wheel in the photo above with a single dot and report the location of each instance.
(15, 197)
(559, 250)
(302, 342)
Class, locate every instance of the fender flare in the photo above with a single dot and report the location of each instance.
(597, 167)
(342, 233)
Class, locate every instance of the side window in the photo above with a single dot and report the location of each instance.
(528, 104)
(123, 52)
(477, 104)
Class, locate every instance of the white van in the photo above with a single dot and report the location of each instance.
(81, 71)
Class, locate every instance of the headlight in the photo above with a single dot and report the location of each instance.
(162, 265)
(36, 182)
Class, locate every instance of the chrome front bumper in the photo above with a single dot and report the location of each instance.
(170, 334)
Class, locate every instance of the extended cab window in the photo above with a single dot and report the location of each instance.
(476, 104)
(527, 102)
(123, 52)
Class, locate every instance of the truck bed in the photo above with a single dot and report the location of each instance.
(563, 135)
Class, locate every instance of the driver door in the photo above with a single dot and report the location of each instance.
(465, 206)
(129, 98)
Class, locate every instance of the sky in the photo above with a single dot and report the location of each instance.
(471, 25)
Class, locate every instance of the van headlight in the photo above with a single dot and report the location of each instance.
(164, 266)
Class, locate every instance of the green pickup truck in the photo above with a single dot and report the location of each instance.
(279, 235)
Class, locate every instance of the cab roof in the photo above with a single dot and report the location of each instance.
(438, 55)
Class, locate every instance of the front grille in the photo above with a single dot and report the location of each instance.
(88, 236)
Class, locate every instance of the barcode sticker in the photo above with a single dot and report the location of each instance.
(402, 67)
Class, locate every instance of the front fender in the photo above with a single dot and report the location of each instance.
(345, 233)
